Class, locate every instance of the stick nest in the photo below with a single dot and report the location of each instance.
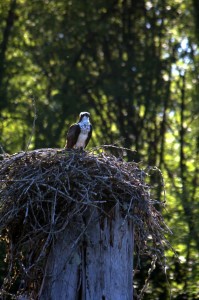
(42, 191)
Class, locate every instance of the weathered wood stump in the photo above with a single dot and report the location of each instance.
(95, 265)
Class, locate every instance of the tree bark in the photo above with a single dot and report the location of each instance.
(3, 46)
(94, 262)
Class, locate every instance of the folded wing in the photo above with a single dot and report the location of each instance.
(72, 136)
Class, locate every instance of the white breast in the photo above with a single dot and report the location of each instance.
(81, 140)
(85, 128)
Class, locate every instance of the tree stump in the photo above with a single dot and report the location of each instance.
(97, 264)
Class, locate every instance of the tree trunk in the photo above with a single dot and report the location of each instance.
(3, 48)
(94, 261)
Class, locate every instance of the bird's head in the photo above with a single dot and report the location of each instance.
(84, 116)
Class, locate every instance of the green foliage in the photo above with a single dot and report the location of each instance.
(135, 66)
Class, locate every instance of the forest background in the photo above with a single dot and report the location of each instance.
(134, 65)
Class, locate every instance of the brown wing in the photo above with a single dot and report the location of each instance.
(89, 136)
(72, 136)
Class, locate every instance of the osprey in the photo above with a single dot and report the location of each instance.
(79, 133)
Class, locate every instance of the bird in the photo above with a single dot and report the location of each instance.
(79, 133)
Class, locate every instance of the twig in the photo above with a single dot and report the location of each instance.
(33, 124)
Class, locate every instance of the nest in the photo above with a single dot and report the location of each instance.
(42, 191)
